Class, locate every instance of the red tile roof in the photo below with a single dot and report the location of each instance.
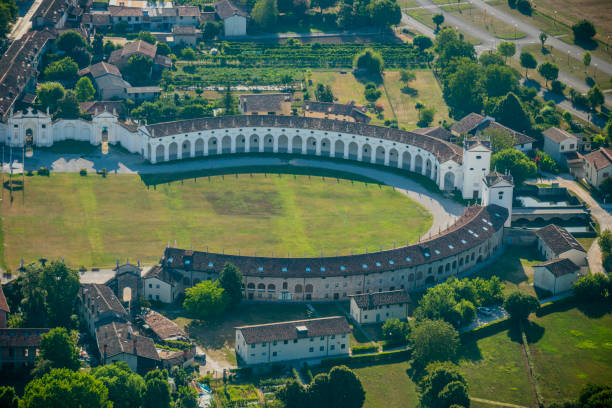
(325, 326)
(3, 304)
(599, 159)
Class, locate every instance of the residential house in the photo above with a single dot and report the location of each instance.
(379, 306)
(162, 285)
(142, 93)
(185, 35)
(474, 124)
(348, 112)
(234, 18)
(556, 275)
(117, 341)
(163, 328)
(598, 166)
(556, 242)
(438, 132)
(121, 57)
(558, 142)
(265, 104)
(107, 78)
(19, 347)
(52, 14)
(99, 305)
(296, 340)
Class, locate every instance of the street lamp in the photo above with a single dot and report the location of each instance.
(555, 17)
(595, 72)
(515, 25)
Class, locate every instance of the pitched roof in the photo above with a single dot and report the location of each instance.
(163, 274)
(226, 9)
(3, 304)
(135, 47)
(51, 10)
(185, 30)
(475, 121)
(264, 102)
(103, 299)
(495, 177)
(557, 135)
(21, 337)
(600, 158)
(163, 327)
(473, 228)
(558, 239)
(99, 69)
(467, 123)
(345, 109)
(444, 151)
(289, 330)
(188, 11)
(119, 337)
(101, 106)
(120, 11)
(369, 301)
(560, 267)
(437, 132)
(142, 89)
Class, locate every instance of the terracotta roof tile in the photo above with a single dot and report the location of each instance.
(600, 158)
(3, 304)
(289, 330)
(560, 267)
(369, 301)
(558, 239)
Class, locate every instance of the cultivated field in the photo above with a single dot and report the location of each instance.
(92, 221)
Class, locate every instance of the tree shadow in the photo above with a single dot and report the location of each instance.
(530, 83)
(590, 81)
(533, 331)
(587, 44)
(364, 78)
(545, 51)
(595, 310)
(13, 185)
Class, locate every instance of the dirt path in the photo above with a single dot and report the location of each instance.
(497, 403)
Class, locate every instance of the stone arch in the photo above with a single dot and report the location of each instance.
(160, 153)
(240, 143)
(428, 168)
(149, 151)
(366, 153)
(339, 149)
(271, 287)
(393, 157)
(285, 285)
(173, 151)
(298, 288)
(406, 160)
(268, 143)
(308, 288)
(186, 149)
(311, 146)
(353, 151)
(261, 286)
(251, 286)
(283, 144)
(418, 164)
(212, 146)
(253, 144)
(325, 147)
(226, 144)
(449, 181)
(199, 147)
(411, 277)
(296, 144)
(68, 131)
(380, 155)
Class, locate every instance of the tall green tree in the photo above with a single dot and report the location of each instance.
(98, 46)
(206, 300)
(139, 68)
(499, 80)
(509, 111)
(33, 302)
(450, 47)
(65, 388)
(586, 61)
(348, 391)
(231, 281)
(229, 103)
(84, 89)
(520, 305)
(69, 40)
(370, 61)
(549, 71)
(464, 89)
(528, 62)
(438, 19)
(543, 37)
(434, 340)
(59, 348)
(157, 390)
(385, 13)
(147, 36)
(507, 49)
(595, 97)
(8, 15)
(324, 93)
(62, 286)
(8, 397)
(187, 398)
(63, 70)
(265, 14)
(439, 386)
(584, 30)
(500, 139)
(516, 162)
(125, 388)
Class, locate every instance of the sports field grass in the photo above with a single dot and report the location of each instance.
(92, 221)
(571, 347)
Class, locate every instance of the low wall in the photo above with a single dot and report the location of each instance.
(519, 236)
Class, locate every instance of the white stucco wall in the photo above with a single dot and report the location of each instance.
(235, 26)
(380, 314)
(158, 290)
(544, 279)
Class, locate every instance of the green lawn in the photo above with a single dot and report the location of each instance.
(570, 349)
(425, 16)
(476, 17)
(92, 221)
(495, 369)
(388, 385)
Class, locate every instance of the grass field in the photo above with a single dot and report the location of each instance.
(495, 369)
(571, 348)
(388, 385)
(425, 17)
(92, 221)
(476, 17)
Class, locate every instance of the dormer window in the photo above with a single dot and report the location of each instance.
(391, 262)
(260, 268)
(437, 252)
(408, 259)
(322, 269)
(364, 266)
(170, 260)
(500, 195)
(210, 264)
(343, 268)
(307, 269)
(378, 264)
(284, 269)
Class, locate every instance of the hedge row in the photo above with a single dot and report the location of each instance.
(367, 348)
(385, 356)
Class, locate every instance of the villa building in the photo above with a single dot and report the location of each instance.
(379, 306)
(475, 124)
(556, 242)
(598, 166)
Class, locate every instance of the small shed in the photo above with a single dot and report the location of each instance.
(556, 276)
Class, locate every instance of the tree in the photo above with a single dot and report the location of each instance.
(292, 395)
(139, 68)
(65, 388)
(595, 396)
(59, 281)
(157, 390)
(516, 162)
(48, 94)
(265, 13)
(395, 331)
(324, 93)
(147, 36)
(435, 383)
(8, 15)
(434, 340)
(98, 46)
(121, 27)
(187, 398)
(348, 391)
(231, 281)
(8, 397)
(543, 38)
(422, 42)
(210, 30)
(163, 49)
(228, 101)
(188, 53)
(63, 70)
(584, 30)
(369, 61)
(549, 71)
(595, 97)
(586, 60)
(507, 49)
(84, 89)
(520, 305)
(528, 62)
(371, 93)
(491, 58)
(450, 47)
(606, 189)
(58, 346)
(438, 19)
(69, 40)
(500, 139)
(509, 111)
(499, 80)
(206, 299)
(592, 288)
(385, 13)
(407, 75)
(426, 117)
(454, 394)
(125, 388)
(464, 89)
(319, 392)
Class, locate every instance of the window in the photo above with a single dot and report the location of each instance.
(286, 342)
(478, 157)
(365, 317)
(322, 338)
(252, 346)
(344, 336)
(343, 346)
(310, 350)
(321, 348)
(157, 286)
(311, 339)
(500, 195)
(274, 343)
(150, 285)
(333, 336)
(263, 344)
(332, 347)
(274, 354)
(295, 341)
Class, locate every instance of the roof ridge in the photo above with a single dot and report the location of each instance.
(291, 321)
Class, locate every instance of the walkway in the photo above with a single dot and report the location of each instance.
(444, 210)
(499, 404)
(24, 23)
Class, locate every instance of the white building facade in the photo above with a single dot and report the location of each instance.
(380, 306)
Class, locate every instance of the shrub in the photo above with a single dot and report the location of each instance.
(584, 30)
(557, 87)
(366, 348)
(524, 6)
(83, 172)
(43, 171)
(386, 356)
(372, 94)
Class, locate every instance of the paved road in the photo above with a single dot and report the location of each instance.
(24, 23)
(601, 212)
(443, 209)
